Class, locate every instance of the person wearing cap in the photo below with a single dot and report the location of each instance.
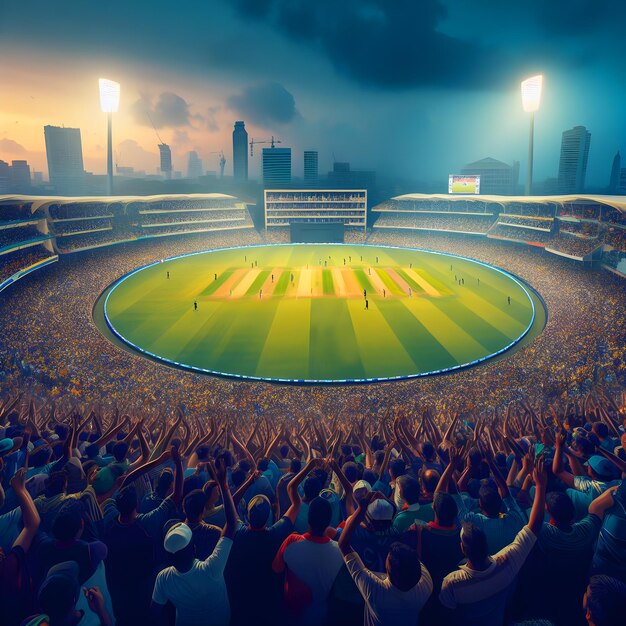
(15, 578)
(197, 588)
(398, 597)
(600, 472)
(252, 587)
(310, 563)
(476, 594)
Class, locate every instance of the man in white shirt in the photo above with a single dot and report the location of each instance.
(396, 598)
(479, 590)
(197, 588)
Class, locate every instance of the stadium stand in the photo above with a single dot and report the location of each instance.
(357, 493)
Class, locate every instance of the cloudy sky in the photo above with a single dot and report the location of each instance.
(414, 88)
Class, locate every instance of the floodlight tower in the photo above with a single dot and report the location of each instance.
(531, 98)
(109, 103)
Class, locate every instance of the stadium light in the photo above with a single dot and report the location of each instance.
(109, 103)
(531, 98)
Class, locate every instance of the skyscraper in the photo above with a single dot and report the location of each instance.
(276, 167)
(20, 173)
(194, 165)
(64, 152)
(166, 160)
(615, 174)
(573, 162)
(310, 165)
(240, 151)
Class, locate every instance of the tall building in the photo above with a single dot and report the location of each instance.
(496, 177)
(276, 167)
(240, 151)
(310, 165)
(573, 162)
(615, 174)
(194, 165)
(5, 177)
(166, 160)
(342, 177)
(64, 152)
(20, 174)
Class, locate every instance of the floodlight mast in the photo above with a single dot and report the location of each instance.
(109, 103)
(531, 98)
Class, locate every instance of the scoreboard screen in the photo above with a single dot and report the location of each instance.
(463, 184)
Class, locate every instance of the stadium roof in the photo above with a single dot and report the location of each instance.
(487, 164)
(617, 202)
(39, 201)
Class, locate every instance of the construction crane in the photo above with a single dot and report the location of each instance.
(271, 141)
(222, 161)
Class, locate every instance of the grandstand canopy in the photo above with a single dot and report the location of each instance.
(42, 201)
(617, 202)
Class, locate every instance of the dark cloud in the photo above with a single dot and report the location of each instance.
(389, 44)
(211, 123)
(264, 105)
(169, 110)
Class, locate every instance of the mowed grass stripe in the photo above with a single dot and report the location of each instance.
(240, 345)
(363, 280)
(425, 350)
(455, 339)
(333, 347)
(477, 326)
(282, 284)
(286, 348)
(390, 283)
(257, 283)
(382, 353)
(414, 286)
(328, 286)
(216, 284)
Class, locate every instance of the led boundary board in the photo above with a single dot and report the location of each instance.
(463, 184)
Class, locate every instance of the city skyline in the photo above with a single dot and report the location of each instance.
(412, 123)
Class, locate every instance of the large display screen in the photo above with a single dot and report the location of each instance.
(463, 184)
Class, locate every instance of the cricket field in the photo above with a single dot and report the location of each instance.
(321, 313)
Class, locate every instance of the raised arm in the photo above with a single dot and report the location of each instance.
(30, 515)
(540, 476)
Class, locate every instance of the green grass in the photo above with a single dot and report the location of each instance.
(292, 335)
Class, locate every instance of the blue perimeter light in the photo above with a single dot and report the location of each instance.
(308, 381)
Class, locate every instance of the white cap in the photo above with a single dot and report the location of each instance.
(177, 538)
(361, 484)
(380, 510)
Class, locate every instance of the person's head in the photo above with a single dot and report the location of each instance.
(474, 543)
(238, 476)
(126, 501)
(195, 481)
(120, 450)
(428, 450)
(212, 491)
(68, 524)
(320, 513)
(92, 451)
(600, 468)
(380, 514)
(369, 476)
(489, 500)
(56, 483)
(263, 464)
(379, 457)
(430, 480)
(164, 482)
(295, 465)
(601, 430)
(58, 594)
(311, 487)
(397, 468)
(560, 507)
(284, 451)
(40, 458)
(445, 509)
(259, 509)
(194, 504)
(403, 566)
(604, 601)
(351, 470)
(408, 489)
(203, 453)
(179, 544)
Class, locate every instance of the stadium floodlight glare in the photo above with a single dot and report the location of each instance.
(531, 93)
(109, 95)
(531, 98)
(109, 103)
